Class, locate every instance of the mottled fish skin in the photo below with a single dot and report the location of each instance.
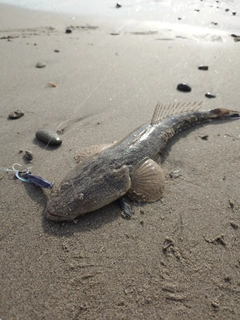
(125, 168)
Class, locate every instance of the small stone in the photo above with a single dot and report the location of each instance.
(52, 84)
(215, 23)
(68, 30)
(41, 65)
(48, 136)
(226, 10)
(118, 5)
(175, 174)
(16, 114)
(56, 50)
(204, 137)
(234, 13)
(236, 37)
(203, 67)
(209, 95)
(215, 303)
(28, 155)
(184, 87)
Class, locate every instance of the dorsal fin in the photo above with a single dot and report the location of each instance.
(162, 111)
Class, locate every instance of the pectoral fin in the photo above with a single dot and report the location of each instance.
(147, 182)
(85, 153)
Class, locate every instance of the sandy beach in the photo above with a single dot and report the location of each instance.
(177, 258)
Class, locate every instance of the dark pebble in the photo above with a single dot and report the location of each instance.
(203, 67)
(215, 23)
(204, 137)
(236, 37)
(183, 87)
(28, 155)
(68, 31)
(56, 50)
(210, 95)
(118, 5)
(16, 114)
(41, 65)
(48, 136)
(234, 13)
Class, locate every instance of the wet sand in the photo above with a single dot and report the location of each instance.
(177, 258)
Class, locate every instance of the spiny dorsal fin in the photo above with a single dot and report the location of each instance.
(85, 153)
(162, 111)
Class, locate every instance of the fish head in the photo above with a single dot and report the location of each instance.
(84, 194)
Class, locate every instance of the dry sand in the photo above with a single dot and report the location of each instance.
(174, 259)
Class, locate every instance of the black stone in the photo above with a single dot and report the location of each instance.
(203, 67)
(68, 30)
(184, 87)
(118, 5)
(209, 95)
(48, 136)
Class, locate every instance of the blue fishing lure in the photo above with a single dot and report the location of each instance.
(30, 178)
(26, 176)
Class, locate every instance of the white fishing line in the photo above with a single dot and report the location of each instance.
(94, 89)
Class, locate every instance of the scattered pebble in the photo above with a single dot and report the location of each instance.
(204, 137)
(16, 114)
(184, 87)
(196, 10)
(28, 155)
(48, 136)
(215, 23)
(68, 30)
(203, 67)
(209, 95)
(175, 174)
(226, 10)
(51, 84)
(236, 37)
(234, 13)
(41, 65)
(118, 5)
(8, 37)
(215, 303)
(56, 50)
(179, 18)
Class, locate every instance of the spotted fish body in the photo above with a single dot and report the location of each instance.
(109, 172)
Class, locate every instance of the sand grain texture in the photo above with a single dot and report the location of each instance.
(175, 259)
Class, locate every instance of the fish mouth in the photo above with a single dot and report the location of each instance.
(56, 217)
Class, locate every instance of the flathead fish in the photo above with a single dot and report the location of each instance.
(109, 172)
